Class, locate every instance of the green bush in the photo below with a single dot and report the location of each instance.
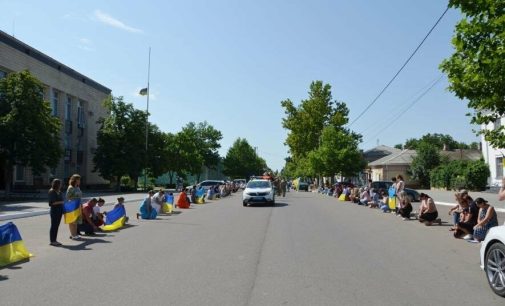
(457, 175)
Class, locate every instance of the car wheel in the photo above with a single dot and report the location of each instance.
(244, 204)
(495, 268)
(411, 198)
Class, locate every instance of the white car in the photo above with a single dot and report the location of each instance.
(492, 259)
(258, 191)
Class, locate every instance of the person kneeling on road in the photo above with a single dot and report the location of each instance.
(428, 211)
(88, 226)
(405, 205)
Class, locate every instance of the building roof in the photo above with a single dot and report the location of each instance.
(462, 154)
(379, 152)
(403, 157)
(41, 57)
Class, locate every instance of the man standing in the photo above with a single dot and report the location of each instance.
(284, 186)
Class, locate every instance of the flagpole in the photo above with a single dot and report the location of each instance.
(147, 116)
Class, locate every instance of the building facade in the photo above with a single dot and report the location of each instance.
(74, 98)
(493, 156)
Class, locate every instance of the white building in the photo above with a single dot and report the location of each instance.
(493, 156)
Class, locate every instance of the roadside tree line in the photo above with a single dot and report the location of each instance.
(30, 137)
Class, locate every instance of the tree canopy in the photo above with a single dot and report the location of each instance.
(476, 69)
(29, 133)
(318, 141)
(427, 158)
(438, 141)
(242, 161)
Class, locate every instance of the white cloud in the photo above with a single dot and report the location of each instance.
(113, 22)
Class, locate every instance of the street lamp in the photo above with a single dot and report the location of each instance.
(145, 92)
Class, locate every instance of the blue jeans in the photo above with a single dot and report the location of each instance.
(455, 217)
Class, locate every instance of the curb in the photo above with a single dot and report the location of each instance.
(20, 215)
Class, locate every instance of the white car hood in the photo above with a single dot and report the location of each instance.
(254, 190)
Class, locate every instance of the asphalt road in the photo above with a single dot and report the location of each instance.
(307, 250)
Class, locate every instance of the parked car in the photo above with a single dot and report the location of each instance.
(492, 259)
(411, 193)
(258, 191)
(210, 183)
(303, 186)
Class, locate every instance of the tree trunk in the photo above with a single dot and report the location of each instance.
(171, 176)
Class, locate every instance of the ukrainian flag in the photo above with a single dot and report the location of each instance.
(200, 196)
(72, 210)
(169, 199)
(12, 247)
(115, 219)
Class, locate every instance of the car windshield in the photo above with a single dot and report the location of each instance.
(258, 184)
(209, 183)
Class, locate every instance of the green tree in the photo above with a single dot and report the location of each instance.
(29, 133)
(121, 141)
(436, 140)
(199, 144)
(476, 69)
(427, 158)
(305, 124)
(241, 161)
(337, 154)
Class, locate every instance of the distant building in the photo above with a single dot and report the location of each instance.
(493, 156)
(75, 99)
(399, 163)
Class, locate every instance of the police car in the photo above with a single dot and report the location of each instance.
(258, 191)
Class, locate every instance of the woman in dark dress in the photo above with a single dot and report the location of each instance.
(56, 210)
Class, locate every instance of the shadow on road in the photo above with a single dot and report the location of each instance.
(84, 245)
(14, 266)
(3, 277)
(267, 205)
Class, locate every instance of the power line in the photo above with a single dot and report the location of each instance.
(378, 123)
(400, 70)
(406, 109)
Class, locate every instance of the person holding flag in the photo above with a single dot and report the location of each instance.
(73, 206)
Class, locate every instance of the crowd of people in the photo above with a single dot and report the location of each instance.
(91, 217)
(471, 218)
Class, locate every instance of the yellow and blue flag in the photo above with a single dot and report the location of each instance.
(169, 198)
(115, 219)
(72, 210)
(12, 247)
(200, 196)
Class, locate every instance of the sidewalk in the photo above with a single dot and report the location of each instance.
(9, 211)
(442, 197)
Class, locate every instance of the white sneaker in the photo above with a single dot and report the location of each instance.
(468, 237)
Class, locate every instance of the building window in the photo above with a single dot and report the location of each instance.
(3, 74)
(80, 114)
(20, 173)
(499, 167)
(54, 103)
(68, 108)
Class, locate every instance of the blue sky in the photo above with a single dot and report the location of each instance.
(232, 62)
